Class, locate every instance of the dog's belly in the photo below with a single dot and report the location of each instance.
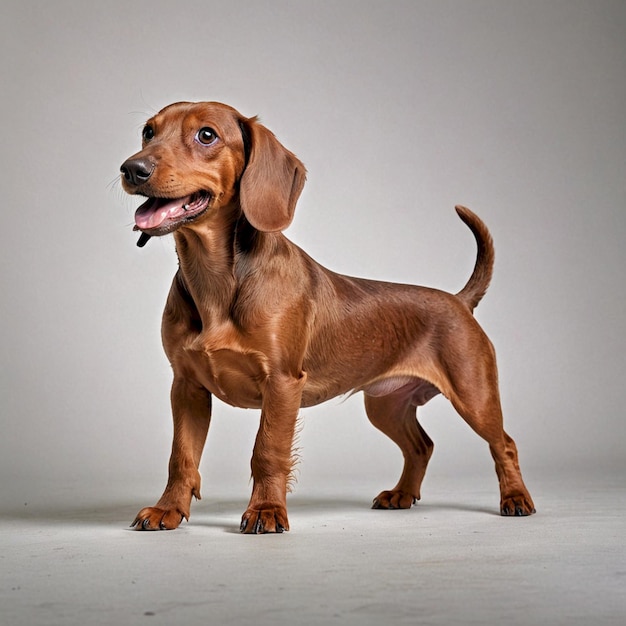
(238, 377)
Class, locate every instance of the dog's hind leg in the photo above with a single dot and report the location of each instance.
(396, 416)
(473, 391)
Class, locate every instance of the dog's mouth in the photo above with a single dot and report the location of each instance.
(159, 216)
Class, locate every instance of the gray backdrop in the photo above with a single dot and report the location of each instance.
(400, 110)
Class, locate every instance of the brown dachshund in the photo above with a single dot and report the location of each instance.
(253, 320)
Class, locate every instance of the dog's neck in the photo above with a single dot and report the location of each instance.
(208, 254)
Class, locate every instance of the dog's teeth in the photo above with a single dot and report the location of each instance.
(185, 207)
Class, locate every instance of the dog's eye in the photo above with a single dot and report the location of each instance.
(206, 136)
(147, 133)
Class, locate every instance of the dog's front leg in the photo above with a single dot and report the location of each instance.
(272, 458)
(191, 409)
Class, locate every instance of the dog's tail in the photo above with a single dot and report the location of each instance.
(478, 282)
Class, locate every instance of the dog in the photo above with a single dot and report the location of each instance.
(254, 321)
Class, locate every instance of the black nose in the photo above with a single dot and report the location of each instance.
(137, 171)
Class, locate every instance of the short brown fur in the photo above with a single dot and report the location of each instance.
(253, 320)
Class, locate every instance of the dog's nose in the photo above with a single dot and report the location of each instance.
(137, 171)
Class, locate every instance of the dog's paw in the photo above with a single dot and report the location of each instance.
(394, 500)
(152, 518)
(518, 506)
(267, 519)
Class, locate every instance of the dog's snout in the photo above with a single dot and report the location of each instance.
(137, 171)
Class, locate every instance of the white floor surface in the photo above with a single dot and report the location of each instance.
(450, 560)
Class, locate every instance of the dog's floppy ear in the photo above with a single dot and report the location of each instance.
(272, 181)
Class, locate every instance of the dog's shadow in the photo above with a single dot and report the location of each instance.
(224, 514)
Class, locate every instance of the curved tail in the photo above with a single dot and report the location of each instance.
(478, 282)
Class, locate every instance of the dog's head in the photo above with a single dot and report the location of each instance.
(199, 157)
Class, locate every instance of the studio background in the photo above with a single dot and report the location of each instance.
(400, 110)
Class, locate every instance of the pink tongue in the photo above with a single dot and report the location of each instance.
(155, 211)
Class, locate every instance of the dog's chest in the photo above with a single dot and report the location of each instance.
(232, 373)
